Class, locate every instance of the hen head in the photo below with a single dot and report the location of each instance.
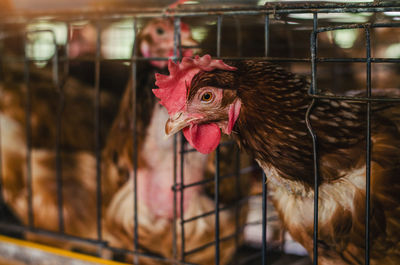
(157, 40)
(201, 100)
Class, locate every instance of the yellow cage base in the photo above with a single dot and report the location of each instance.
(21, 252)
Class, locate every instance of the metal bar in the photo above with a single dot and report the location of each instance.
(60, 110)
(175, 209)
(264, 219)
(368, 149)
(242, 201)
(177, 47)
(177, 54)
(153, 257)
(356, 99)
(57, 235)
(177, 51)
(259, 222)
(177, 38)
(316, 182)
(208, 180)
(97, 135)
(359, 26)
(28, 110)
(1, 164)
(216, 203)
(269, 59)
(1, 139)
(252, 223)
(182, 160)
(219, 25)
(86, 59)
(238, 207)
(134, 140)
(65, 59)
(209, 244)
(264, 177)
(313, 90)
(278, 8)
(358, 60)
(190, 150)
(313, 43)
(266, 36)
(275, 11)
(239, 37)
(220, 209)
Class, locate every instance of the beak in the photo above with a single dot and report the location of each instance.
(177, 123)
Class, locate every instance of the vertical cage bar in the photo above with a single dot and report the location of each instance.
(56, 80)
(219, 24)
(316, 195)
(266, 35)
(2, 37)
(239, 37)
(238, 196)
(182, 160)
(97, 130)
(217, 159)
(66, 62)
(177, 51)
(264, 220)
(1, 160)
(368, 148)
(28, 110)
(264, 178)
(216, 202)
(175, 208)
(313, 89)
(134, 139)
(60, 110)
(1, 164)
(1, 126)
(177, 38)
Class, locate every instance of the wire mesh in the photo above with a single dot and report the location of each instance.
(269, 14)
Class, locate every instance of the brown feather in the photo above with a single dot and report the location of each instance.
(271, 126)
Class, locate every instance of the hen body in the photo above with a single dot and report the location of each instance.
(155, 204)
(279, 140)
(272, 127)
(78, 163)
(155, 173)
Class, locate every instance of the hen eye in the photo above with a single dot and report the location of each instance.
(160, 31)
(207, 97)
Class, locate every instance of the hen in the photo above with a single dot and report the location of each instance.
(155, 170)
(48, 106)
(76, 152)
(264, 107)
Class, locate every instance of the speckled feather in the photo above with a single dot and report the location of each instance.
(271, 126)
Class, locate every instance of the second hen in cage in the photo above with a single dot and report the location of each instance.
(308, 90)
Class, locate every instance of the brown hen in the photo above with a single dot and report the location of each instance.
(265, 107)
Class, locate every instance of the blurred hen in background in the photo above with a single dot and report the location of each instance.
(30, 112)
(155, 169)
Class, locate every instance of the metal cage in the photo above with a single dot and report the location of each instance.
(311, 20)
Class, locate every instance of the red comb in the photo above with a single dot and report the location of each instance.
(173, 87)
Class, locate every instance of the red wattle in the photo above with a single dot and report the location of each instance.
(204, 137)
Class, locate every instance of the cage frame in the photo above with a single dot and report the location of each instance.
(270, 9)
